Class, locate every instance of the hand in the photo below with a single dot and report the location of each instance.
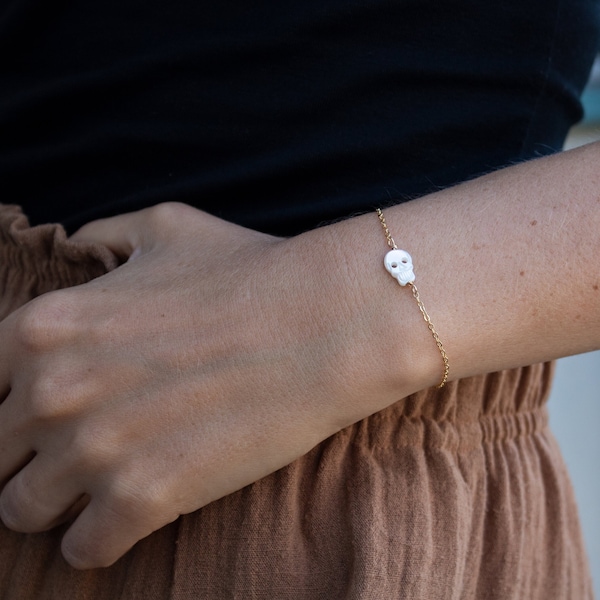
(212, 357)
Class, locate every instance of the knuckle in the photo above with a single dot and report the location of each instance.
(41, 400)
(138, 503)
(127, 502)
(52, 398)
(167, 214)
(93, 449)
(45, 323)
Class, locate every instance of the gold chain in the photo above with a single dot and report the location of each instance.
(392, 244)
(434, 333)
(388, 236)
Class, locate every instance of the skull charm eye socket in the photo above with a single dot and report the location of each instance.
(395, 264)
(399, 265)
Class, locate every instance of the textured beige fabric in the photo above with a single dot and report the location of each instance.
(452, 494)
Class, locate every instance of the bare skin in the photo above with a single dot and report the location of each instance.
(217, 355)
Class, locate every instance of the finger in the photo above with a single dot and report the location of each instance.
(33, 332)
(29, 332)
(39, 496)
(7, 327)
(103, 533)
(137, 232)
(121, 234)
(15, 447)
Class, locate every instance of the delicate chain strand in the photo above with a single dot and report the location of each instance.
(388, 236)
(392, 244)
(434, 333)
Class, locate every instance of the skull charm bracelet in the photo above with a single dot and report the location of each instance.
(398, 263)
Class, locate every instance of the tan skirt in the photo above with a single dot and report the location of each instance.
(452, 494)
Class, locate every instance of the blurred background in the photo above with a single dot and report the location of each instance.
(575, 399)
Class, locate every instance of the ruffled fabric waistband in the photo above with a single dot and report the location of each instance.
(36, 260)
(465, 414)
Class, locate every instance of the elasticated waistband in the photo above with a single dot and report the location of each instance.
(465, 414)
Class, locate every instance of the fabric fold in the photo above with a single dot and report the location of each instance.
(36, 260)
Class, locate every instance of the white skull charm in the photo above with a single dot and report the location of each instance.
(399, 265)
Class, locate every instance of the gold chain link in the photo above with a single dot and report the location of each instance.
(388, 236)
(434, 333)
(392, 244)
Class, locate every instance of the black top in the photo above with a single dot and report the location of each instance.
(278, 115)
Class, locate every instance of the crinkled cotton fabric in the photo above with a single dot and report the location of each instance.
(459, 493)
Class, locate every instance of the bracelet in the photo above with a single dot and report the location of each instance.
(398, 264)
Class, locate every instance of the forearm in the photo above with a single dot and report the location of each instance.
(508, 266)
(219, 354)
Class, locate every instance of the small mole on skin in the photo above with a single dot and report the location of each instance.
(521, 273)
(577, 317)
(595, 286)
(533, 223)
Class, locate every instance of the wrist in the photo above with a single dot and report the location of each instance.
(380, 348)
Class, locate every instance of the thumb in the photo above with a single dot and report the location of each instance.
(125, 235)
